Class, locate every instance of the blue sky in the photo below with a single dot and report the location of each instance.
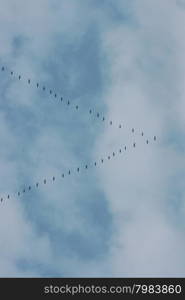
(125, 60)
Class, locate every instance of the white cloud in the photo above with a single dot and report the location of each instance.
(20, 241)
(144, 74)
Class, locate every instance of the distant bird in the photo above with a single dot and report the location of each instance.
(90, 111)
(2, 68)
(50, 92)
(113, 154)
(78, 169)
(154, 138)
(95, 163)
(44, 88)
(103, 119)
(134, 145)
(102, 160)
(108, 157)
(29, 188)
(69, 172)
(98, 115)
(125, 148)
(24, 191)
(19, 77)
(37, 84)
(18, 193)
(29, 81)
(55, 95)
(110, 122)
(53, 178)
(132, 129)
(11, 72)
(44, 181)
(61, 99)
(8, 196)
(76, 106)
(119, 150)
(63, 175)
(37, 184)
(120, 126)
(68, 102)
(1, 199)
(147, 141)
(142, 133)
(86, 166)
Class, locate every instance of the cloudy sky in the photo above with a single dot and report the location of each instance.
(115, 63)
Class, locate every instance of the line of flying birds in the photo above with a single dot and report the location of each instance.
(29, 188)
(77, 170)
(98, 115)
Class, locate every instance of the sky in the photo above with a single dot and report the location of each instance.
(117, 65)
